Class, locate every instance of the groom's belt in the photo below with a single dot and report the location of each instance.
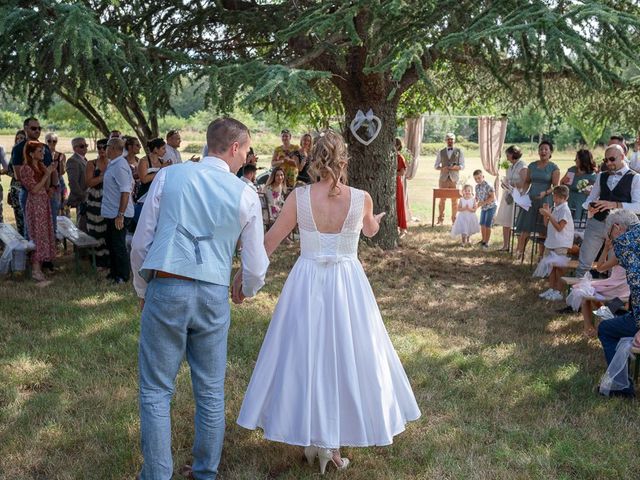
(161, 274)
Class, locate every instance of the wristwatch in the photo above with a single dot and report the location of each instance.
(120, 214)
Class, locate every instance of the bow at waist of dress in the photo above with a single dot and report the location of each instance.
(331, 259)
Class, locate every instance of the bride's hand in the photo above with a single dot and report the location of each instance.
(236, 289)
(378, 217)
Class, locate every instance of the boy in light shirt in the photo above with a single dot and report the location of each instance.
(560, 230)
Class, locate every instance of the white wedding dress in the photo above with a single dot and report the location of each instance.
(327, 373)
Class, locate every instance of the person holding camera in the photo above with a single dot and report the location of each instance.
(616, 187)
(285, 158)
(449, 161)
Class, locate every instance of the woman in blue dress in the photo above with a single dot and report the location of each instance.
(584, 169)
(541, 176)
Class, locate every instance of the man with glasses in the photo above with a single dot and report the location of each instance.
(617, 187)
(32, 130)
(76, 167)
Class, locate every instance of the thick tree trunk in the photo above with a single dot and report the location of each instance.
(373, 167)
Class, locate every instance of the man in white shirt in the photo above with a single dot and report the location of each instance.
(181, 257)
(249, 172)
(173, 144)
(618, 187)
(449, 162)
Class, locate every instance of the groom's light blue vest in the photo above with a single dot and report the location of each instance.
(198, 224)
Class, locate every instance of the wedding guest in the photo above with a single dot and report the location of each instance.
(615, 187)
(132, 146)
(76, 173)
(486, 201)
(541, 177)
(401, 169)
(579, 178)
(13, 198)
(514, 178)
(4, 170)
(634, 159)
(32, 131)
(275, 191)
(36, 179)
(618, 140)
(560, 230)
(117, 209)
(96, 224)
(249, 175)
(60, 158)
(252, 159)
(173, 143)
(148, 167)
(306, 145)
(115, 134)
(449, 162)
(623, 229)
(283, 157)
(183, 283)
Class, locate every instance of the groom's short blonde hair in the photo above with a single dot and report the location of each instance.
(224, 132)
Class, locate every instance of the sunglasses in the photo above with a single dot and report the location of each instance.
(610, 159)
(35, 129)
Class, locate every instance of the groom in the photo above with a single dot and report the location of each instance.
(181, 256)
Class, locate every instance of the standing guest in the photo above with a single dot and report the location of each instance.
(4, 170)
(36, 179)
(560, 230)
(249, 175)
(115, 134)
(76, 172)
(618, 140)
(624, 230)
(615, 187)
(401, 169)
(15, 187)
(117, 209)
(583, 171)
(51, 139)
(32, 131)
(173, 143)
(304, 155)
(96, 224)
(449, 162)
(132, 147)
(634, 159)
(540, 178)
(486, 201)
(514, 178)
(148, 167)
(284, 157)
(275, 191)
(181, 256)
(252, 159)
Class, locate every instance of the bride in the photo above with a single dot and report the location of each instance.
(327, 374)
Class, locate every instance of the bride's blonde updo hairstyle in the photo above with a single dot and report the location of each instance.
(329, 159)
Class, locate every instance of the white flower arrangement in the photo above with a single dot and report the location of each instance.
(583, 186)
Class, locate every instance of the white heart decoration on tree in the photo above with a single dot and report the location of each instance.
(374, 127)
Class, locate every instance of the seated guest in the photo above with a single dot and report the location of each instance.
(76, 170)
(252, 159)
(601, 289)
(615, 187)
(117, 209)
(583, 172)
(249, 175)
(275, 191)
(96, 224)
(36, 179)
(623, 228)
(559, 237)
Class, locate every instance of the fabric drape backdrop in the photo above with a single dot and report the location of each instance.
(491, 133)
(413, 132)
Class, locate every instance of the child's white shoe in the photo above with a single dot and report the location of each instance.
(546, 293)
(555, 295)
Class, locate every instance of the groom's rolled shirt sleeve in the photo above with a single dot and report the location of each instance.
(254, 257)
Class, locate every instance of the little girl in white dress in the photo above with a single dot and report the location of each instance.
(466, 223)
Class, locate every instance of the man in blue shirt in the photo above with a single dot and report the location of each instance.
(33, 129)
(117, 208)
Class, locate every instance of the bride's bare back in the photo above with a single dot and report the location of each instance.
(329, 212)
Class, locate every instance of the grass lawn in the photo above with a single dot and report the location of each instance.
(504, 384)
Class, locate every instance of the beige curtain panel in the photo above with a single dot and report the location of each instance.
(491, 133)
(413, 131)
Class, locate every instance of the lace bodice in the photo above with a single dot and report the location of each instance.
(316, 244)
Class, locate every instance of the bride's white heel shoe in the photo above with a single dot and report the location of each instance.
(325, 455)
(311, 452)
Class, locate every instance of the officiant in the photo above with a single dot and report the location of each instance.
(514, 178)
(449, 161)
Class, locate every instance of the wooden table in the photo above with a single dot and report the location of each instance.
(452, 193)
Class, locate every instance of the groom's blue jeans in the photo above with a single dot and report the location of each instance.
(611, 331)
(182, 317)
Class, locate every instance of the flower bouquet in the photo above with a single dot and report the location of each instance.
(583, 186)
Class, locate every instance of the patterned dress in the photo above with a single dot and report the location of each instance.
(38, 216)
(290, 172)
(275, 201)
(96, 224)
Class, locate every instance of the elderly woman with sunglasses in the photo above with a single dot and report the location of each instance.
(615, 187)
